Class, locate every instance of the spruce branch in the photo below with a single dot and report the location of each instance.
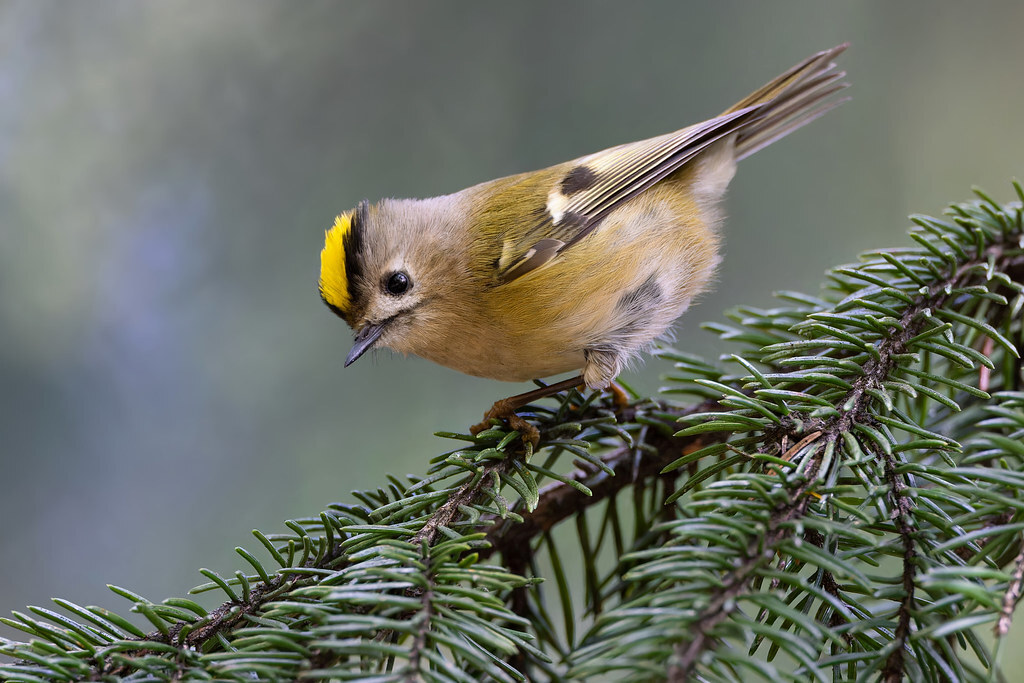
(625, 466)
(853, 409)
(1011, 596)
(902, 517)
(899, 312)
(849, 504)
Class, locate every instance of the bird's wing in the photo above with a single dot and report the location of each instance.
(572, 202)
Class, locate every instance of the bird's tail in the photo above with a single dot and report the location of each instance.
(790, 101)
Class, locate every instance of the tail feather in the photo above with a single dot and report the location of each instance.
(790, 101)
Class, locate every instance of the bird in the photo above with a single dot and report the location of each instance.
(579, 267)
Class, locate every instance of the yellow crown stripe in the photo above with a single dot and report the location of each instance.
(334, 286)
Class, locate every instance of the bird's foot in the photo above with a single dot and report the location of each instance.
(505, 410)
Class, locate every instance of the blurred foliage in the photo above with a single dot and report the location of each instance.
(849, 505)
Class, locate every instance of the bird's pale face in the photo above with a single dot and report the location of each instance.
(389, 274)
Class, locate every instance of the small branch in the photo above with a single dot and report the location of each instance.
(466, 495)
(902, 515)
(225, 617)
(427, 611)
(559, 501)
(1011, 596)
(759, 551)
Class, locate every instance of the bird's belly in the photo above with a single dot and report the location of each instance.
(544, 353)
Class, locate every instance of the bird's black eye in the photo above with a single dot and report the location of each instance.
(398, 283)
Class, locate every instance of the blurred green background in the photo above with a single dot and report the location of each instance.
(169, 378)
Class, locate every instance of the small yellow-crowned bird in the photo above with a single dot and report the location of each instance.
(576, 267)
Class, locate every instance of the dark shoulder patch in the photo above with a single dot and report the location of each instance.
(578, 179)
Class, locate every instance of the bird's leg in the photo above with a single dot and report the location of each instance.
(506, 408)
(620, 397)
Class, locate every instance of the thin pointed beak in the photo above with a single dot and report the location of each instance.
(364, 340)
